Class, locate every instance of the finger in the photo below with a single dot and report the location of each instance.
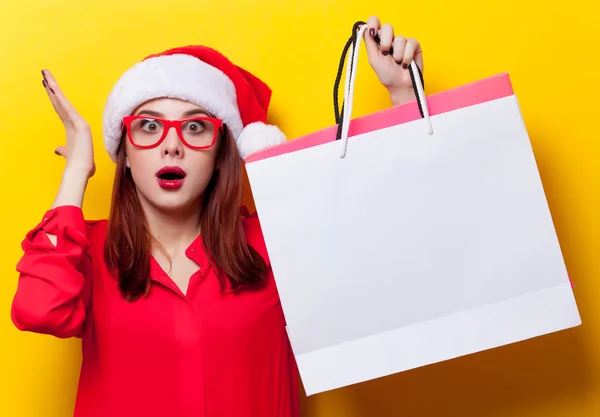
(399, 45)
(373, 26)
(386, 38)
(60, 98)
(371, 45)
(369, 37)
(54, 100)
(413, 52)
(45, 83)
(61, 151)
(419, 56)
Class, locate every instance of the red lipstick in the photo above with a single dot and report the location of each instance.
(170, 177)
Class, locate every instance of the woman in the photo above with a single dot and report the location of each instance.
(173, 296)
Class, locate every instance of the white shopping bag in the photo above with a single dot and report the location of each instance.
(423, 234)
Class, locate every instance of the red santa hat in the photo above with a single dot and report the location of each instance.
(202, 76)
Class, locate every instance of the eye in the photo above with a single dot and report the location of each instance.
(150, 125)
(194, 126)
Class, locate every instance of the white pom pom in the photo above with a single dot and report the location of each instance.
(258, 136)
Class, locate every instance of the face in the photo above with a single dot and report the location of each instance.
(171, 176)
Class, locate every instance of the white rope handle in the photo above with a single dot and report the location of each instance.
(351, 69)
(421, 97)
(349, 88)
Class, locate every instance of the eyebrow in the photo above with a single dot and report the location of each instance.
(150, 113)
(188, 113)
(194, 112)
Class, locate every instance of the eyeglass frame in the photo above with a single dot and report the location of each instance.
(168, 124)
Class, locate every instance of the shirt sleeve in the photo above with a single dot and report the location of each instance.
(54, 288)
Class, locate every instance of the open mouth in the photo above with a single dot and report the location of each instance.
(170, 176)
(172, 173)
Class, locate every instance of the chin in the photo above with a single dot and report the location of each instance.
(170, 201)
(175, 203)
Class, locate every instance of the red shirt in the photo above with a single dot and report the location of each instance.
(207, 354)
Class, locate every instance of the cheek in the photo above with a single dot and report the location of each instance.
(140, 166)
(200, 170)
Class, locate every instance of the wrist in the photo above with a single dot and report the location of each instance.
(80, 172)
(402, 95)
(72, 187)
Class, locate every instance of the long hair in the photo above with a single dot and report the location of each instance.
(128, 246)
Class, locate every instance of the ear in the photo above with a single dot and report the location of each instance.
(127, 161)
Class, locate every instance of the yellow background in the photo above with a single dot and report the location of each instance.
(550, 48)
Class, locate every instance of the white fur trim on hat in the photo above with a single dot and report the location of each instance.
(174, 76)
(258, 136)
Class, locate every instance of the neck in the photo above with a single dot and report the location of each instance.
(174, 230)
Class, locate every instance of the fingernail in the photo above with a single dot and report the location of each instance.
(56, 152)
(385, 53)
(44, 83)
(405, 66)
(51, 90)
(372, 32)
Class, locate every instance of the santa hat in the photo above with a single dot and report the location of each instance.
(202, 76)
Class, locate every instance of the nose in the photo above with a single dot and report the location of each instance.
(172, 145)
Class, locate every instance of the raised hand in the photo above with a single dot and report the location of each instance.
(79, 149)
(390, 55)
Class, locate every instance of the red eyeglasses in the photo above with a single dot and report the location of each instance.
(195, 132)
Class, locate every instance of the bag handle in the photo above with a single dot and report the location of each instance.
(342, 117)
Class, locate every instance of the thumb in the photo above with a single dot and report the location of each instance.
(61, 151)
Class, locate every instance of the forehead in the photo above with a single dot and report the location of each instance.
(169, 107)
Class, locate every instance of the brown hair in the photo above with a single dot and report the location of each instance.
(128, 241)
